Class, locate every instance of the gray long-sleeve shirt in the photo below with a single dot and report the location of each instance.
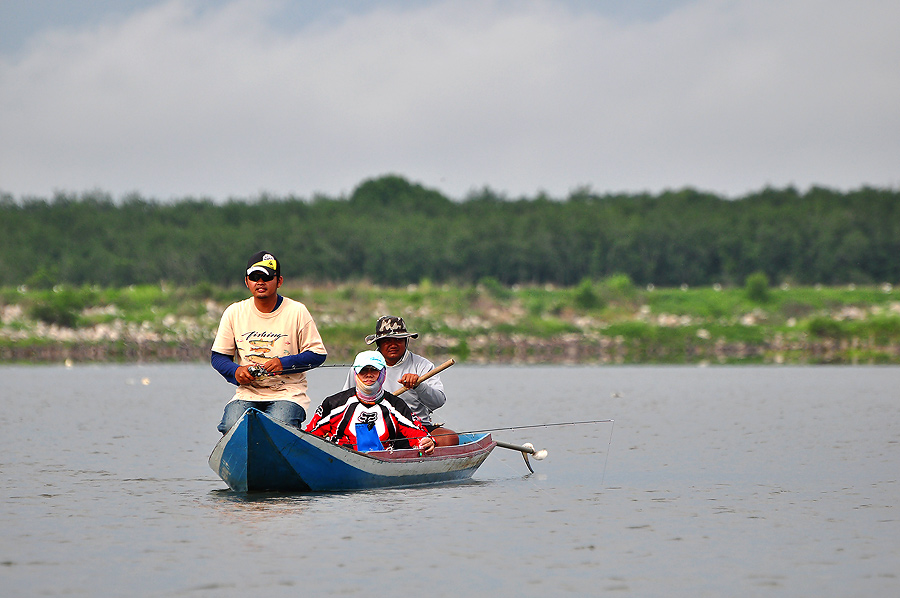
(422, 400)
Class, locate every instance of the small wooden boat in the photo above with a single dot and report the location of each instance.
(262, 454)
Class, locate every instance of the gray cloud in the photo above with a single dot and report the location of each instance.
(726, 96)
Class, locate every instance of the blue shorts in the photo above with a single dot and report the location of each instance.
(288, 412)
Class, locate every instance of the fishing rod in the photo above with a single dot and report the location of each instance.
(528, 448)
(257, 371)
(591, 421)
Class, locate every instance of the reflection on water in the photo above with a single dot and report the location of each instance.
(717, 481)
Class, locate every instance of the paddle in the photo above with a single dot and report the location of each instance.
(428, 375)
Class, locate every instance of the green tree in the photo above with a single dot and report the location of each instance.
(757, 287)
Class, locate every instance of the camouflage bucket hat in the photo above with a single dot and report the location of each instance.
(390, 327)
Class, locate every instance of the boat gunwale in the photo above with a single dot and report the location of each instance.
(482, 442)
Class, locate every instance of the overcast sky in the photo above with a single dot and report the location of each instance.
(196, 98)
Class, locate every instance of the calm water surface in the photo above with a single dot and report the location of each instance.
(754, 481)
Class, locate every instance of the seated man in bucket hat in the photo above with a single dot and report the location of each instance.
(403, 371)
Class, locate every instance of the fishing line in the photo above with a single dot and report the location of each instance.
(592, 421)
(608, 447)
(574, 423)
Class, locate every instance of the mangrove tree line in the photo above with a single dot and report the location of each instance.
(392, 231)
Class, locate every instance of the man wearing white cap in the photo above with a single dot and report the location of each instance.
(366, 417)
(263, 345)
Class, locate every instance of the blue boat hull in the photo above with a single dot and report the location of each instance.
(262, 454)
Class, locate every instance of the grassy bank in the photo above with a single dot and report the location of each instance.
(606, 321)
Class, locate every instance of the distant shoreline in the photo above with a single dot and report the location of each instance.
(601, 322)
(499, 350)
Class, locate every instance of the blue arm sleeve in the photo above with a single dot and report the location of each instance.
(224, 365)
(302, 362)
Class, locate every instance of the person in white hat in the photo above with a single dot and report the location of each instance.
(404, 368)
(366, 417)
(263, 346)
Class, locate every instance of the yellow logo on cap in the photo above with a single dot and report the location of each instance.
(267, 263)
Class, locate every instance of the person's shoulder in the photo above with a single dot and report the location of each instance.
(341, 397)
(293, 305)
(396, 402)
(238, 306)
(333, 402)
(417, 359)
(285, 300)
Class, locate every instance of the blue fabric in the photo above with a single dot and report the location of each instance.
(284, 411)
(295, 363)
(225, 365)
(302, 361)
(367, 439)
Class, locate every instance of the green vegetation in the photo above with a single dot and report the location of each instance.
(610, 320)
(395, 233)
(757, 287)
(679, 277)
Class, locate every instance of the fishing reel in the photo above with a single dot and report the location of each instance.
(257, 371)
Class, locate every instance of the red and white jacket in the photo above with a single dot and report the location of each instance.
(337, 416)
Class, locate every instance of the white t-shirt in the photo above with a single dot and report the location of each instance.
(257, 337)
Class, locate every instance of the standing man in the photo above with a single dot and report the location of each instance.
(263, 346)
(404, 368)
